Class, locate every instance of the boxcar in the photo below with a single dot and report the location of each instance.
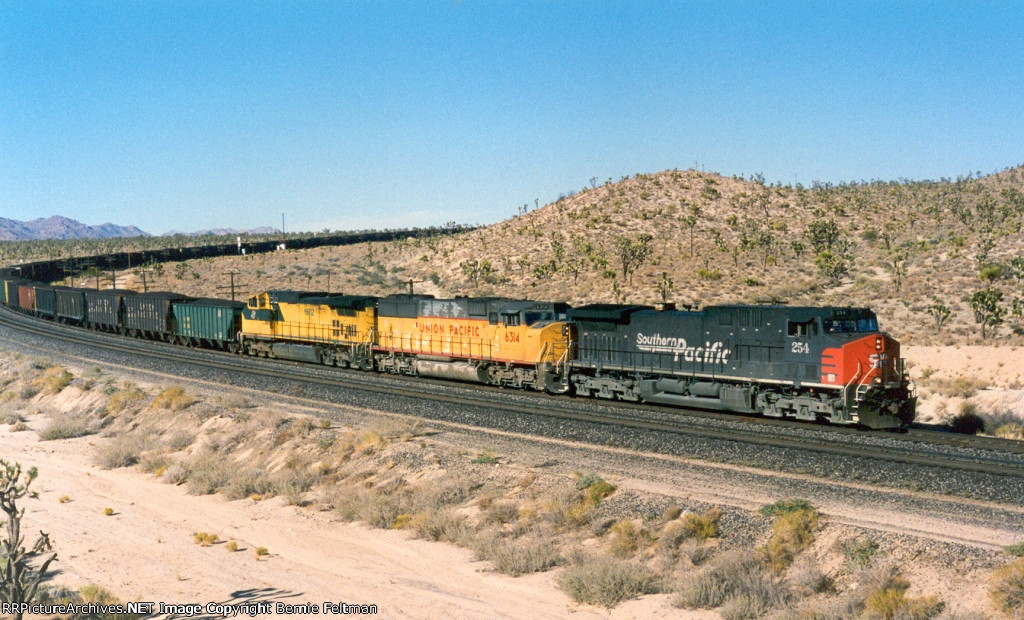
(105, 309)
(208, 322)
(151, 314)
(71, 305)
(27, 297)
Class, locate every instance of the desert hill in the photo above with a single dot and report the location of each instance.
(904, 248)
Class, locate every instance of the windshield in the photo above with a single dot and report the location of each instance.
(536, 317)
(850, 326)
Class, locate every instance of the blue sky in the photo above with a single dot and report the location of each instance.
(348, 115)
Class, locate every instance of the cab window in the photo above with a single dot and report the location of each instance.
(510, 320)
(806, 328)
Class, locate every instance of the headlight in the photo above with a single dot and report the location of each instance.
(878, 381)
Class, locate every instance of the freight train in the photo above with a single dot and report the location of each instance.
(823, 364)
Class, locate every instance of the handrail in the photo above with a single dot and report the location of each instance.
(846, 387)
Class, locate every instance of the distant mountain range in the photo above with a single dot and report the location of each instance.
(263, 230)
(60, 227)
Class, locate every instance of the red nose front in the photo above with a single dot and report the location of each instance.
(871, 359)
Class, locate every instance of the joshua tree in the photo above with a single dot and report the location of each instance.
(20, 581)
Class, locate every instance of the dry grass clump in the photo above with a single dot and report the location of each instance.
(53, 380)
(123, 451)
(246, 483)
(292, 484)
(516, 557)
(122, 397)
(65, 426)
(208, 474)
(87, 594)
(702, 526)
(958, 387)
(792, 532)
(881, 592)
(1007, 589)
(605, 581)
(1010, 430)
(204, 539)
(175, 473)
(627, 538)
(179, 440)
(737, 580)
(441, 525)
(174, 398)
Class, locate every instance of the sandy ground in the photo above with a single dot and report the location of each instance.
(997, 371)
(145, 550)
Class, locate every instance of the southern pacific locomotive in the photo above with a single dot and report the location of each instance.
(827, 364)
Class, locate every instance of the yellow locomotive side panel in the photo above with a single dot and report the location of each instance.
(468, 338)
(315, 321)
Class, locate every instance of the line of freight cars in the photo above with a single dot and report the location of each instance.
(168, 317)
(810, 363)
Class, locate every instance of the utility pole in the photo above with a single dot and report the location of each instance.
(231, 274)
(410, 282)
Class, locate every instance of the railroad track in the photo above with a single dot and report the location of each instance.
(919, 448)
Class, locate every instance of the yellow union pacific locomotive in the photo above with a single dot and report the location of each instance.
(310, 327)
(492, 340)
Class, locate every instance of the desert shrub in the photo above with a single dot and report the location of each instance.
(1017, 550)
(785, 505)
(960, 387)
(11, 417)
(121, 398)
(153, 462)
(176, 473)
(966, 422)
(1010, 430)
(248, 482)
(627, 538)
(702, 526)
(1007, 588)
(123, 451)
(53, 380)
(595, 488)
(487, 457)
(516, 557)
(293, 483)
(792, 532)
(501, 513)
(174, 398)
(207, 474)
(734, 579)
(384, 507)
(806, 577)
(860, 551)
(441, 525)
(605, 581)
(180, 440)
(64, 426)
(205, 539)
